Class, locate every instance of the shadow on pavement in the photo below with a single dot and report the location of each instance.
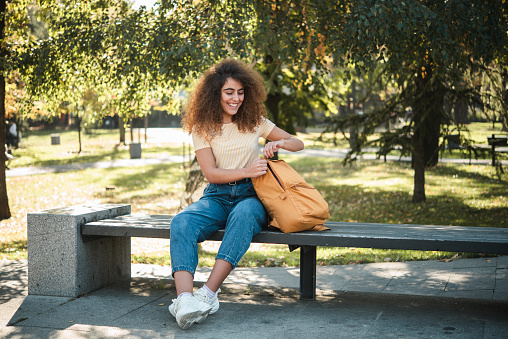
(137, 308)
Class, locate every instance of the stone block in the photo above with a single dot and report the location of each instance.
(55, 139)
(135, 150)
(61, 263)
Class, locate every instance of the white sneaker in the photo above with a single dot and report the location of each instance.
(187, 310)
(213, 302)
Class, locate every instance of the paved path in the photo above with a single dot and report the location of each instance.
(464, 298)
(24, 171)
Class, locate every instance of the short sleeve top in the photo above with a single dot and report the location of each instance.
(234, 149)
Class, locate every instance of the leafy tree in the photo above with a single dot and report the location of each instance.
(13, 23)
(427, 46)
(273, 36)
(5, 212)
(354, 94)
(494, 94)
(87, 110)
(19, 30)
(127, 56)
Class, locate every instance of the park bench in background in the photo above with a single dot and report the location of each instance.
(496, 141)
(453, 141)
(78, 249)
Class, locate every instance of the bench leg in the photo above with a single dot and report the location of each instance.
(308, 273)
(60, 263)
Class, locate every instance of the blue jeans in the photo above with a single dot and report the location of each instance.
(235, 208)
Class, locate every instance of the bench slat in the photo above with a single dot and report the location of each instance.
(342, 234)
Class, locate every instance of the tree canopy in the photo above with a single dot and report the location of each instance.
(131, 56)
(427, 47)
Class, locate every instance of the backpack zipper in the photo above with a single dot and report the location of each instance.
(273, 173)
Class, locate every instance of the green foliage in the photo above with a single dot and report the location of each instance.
(449, 35)
(130, 56)
(427, 47)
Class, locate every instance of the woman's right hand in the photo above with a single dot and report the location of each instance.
(257, 168)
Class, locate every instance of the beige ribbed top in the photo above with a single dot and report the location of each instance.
(234, 149)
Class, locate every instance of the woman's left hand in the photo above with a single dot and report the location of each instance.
(272, 147)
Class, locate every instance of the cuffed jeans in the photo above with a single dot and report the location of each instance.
(235, 208)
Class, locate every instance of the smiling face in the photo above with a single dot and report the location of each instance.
(231, 99)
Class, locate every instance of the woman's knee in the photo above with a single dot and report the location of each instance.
(250, 218)
(253, 209)
(179, 225)
(195, 224)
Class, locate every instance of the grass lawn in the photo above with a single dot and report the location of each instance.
(369, 191)
(101, 145)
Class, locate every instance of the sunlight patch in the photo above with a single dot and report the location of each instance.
(387, 182)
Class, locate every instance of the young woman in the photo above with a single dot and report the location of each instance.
(226, 118)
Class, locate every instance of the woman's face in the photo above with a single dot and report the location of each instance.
(231, 99)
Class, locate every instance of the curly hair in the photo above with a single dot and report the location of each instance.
(204, 111)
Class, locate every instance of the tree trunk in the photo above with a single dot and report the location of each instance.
(273, 98)
(194, 186)
(419, 166)
(121, 126)
(146, 128)
(78, 120)
(460, 112)
(418, 151)
(353, 130)
(132, 130)
(430, 135)
(139, 129)
(428, 114)
(5, 212)
(504, 91)
(272, 103)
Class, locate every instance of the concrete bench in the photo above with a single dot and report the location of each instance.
(78, 249)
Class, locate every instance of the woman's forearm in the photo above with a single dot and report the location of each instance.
(293, 144)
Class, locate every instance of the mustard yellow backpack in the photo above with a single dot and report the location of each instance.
(292, 204)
